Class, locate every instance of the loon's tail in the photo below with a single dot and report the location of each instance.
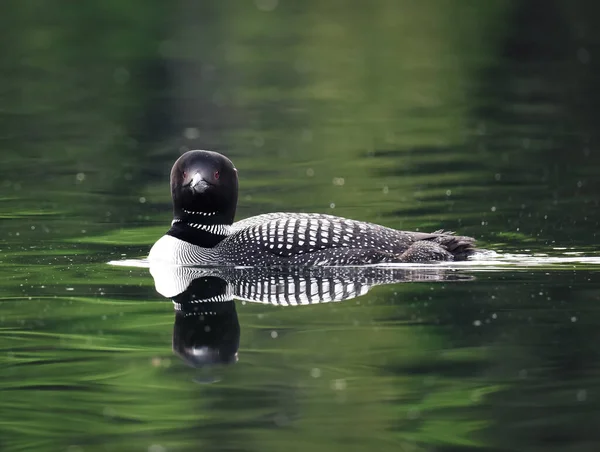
(461, 247)
(439, 246)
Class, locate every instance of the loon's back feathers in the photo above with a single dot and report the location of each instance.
(204, 190)
(319, 239)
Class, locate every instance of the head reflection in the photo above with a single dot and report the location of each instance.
(206, 330)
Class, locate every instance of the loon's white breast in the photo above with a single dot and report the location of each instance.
(174, 251)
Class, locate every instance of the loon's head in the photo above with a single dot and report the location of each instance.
(204, 188)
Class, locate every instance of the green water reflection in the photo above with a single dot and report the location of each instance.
(474, 116)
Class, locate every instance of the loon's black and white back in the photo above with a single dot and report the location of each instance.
(204, 188)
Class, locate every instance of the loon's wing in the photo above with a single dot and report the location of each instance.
(331, 240)
(289, 234)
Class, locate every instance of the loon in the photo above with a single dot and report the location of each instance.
(204, 190)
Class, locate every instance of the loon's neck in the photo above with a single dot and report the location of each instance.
(205, 229)
(206, 236)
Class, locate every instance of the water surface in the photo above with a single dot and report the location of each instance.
(479, 117)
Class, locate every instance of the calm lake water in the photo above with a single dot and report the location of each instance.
(479, 117)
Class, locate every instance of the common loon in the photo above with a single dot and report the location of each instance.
(204, 189)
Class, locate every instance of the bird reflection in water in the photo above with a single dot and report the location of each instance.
(207, 330)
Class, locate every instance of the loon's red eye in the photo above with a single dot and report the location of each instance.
(217, 174)
(184, 174)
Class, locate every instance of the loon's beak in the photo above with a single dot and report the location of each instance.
(198, 184)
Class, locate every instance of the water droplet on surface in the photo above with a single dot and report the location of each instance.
(156, 448)
(583, 55)
(258, 141)
(339, 384)
(266, 5)
(307, 135)
(121, 75)
(281, 420)
(74, 448)
(191, 133)
(413, 413)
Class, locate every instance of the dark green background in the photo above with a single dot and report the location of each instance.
(478, 116)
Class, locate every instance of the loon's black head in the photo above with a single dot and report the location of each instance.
(204, 188)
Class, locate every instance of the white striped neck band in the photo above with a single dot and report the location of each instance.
(218, 229)
(204, 214)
